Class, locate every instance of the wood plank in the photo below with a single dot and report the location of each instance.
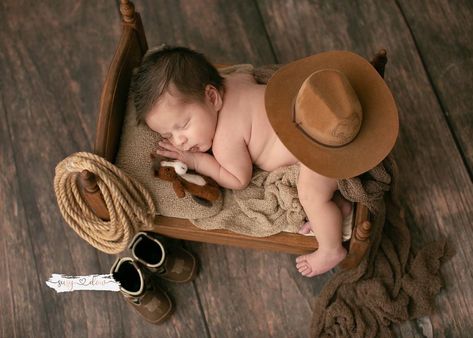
(436, 189)
(442, 31)
(184, 229)
(227, 32)
(22, 306)
(54, 58)
(41, 95)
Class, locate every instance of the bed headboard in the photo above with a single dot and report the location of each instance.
(131, 48)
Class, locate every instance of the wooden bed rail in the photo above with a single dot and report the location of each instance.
(283, 242)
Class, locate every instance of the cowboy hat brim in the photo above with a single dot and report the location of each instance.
(380, 124)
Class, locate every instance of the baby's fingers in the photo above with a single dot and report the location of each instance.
(167, 153)
(167, 145)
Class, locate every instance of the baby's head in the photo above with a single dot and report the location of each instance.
(178, 94)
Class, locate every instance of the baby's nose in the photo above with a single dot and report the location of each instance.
(181, 140)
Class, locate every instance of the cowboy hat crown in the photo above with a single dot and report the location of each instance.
(327, 108)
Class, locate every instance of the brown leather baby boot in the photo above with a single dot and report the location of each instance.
(171, 263)
(141, 291)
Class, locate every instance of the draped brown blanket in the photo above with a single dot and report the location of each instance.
(392, 284)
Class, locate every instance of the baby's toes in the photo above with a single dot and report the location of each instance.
(301, 259)
(305, 228)
(301, 264)
(346, 209)
(306, 272)
(303, 268)
(312, 273)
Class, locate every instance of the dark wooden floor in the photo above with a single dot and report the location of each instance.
(53, 59)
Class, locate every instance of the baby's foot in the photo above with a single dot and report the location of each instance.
(319, 261)
(305, 229)
(346, 208)
(343, 204)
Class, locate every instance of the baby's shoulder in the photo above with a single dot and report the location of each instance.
(238, 85)
(233, 122)
(241, 90)
(240, 76)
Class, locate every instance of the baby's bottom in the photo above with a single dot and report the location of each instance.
(325, 219)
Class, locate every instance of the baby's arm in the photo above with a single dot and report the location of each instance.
(231, 168)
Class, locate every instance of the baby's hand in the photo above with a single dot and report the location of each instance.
(167, 149)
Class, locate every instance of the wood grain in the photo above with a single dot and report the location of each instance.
(22, 306)
(49, 118)
(228, 32)
(442, 33)
(435, 185)
(53, 60)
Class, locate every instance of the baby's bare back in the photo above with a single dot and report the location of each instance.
(243, 113)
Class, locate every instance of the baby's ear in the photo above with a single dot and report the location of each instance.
(214, 96)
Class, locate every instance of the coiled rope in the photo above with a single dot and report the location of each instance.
(129, 204)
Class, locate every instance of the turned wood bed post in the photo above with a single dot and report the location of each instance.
(110, 117)
(360, 239)
(92, 195)
(130, 17)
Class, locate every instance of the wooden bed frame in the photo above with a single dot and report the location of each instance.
(131, 48)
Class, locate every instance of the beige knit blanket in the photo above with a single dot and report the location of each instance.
(268, 205)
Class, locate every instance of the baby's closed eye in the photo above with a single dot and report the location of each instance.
(185, 125)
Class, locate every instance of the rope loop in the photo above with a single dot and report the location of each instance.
(129, 204)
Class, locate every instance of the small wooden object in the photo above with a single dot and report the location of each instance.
(131, 48)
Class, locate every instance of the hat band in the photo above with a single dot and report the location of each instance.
(311, 137)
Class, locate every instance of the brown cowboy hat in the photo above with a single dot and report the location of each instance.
(333, 112)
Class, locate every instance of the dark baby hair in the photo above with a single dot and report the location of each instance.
(189, 71)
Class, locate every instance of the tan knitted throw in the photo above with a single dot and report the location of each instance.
(267, 206)
(392, 284)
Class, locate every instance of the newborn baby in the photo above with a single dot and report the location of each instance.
(181, 96)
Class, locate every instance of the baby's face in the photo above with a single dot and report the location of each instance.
(189, 126)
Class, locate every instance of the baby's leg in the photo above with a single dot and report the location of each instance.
(315, 194)
(343, 204)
